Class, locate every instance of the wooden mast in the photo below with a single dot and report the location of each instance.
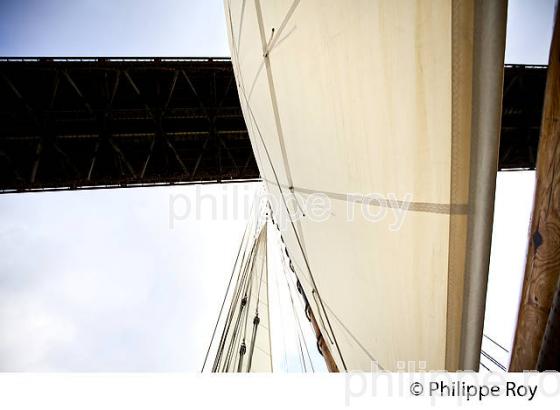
(543, 257)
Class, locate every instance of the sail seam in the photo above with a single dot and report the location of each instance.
(273, 98)
(429, 207)
(277, 182)
(276, 34)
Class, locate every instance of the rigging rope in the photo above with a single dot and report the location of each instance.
(243, 238)
(256, 322)
(299, 243)
(299, 328)
(237, 292)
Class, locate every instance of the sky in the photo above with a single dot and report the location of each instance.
(99, 280)
(512, 212)
(126, 28)
(529, 31)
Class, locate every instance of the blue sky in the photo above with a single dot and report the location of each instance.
(113, 28)
(97, 280)
(529, 30)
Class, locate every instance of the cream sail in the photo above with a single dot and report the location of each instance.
(385, 109)
(244, 344)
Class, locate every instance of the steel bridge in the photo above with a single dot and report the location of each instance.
(83, 123)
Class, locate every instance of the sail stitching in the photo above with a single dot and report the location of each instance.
(273, 98)
(297, 236)
(276, 34)
(430, 207)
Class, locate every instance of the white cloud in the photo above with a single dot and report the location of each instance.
(97, 281)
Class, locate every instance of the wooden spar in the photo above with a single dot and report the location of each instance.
(321, 344)
(543, 257)
(549, 356)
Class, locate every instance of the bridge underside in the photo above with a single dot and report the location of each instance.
(81, 123)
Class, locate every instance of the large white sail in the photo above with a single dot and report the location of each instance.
(259, 353)
(377, 97)
(244, 343)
